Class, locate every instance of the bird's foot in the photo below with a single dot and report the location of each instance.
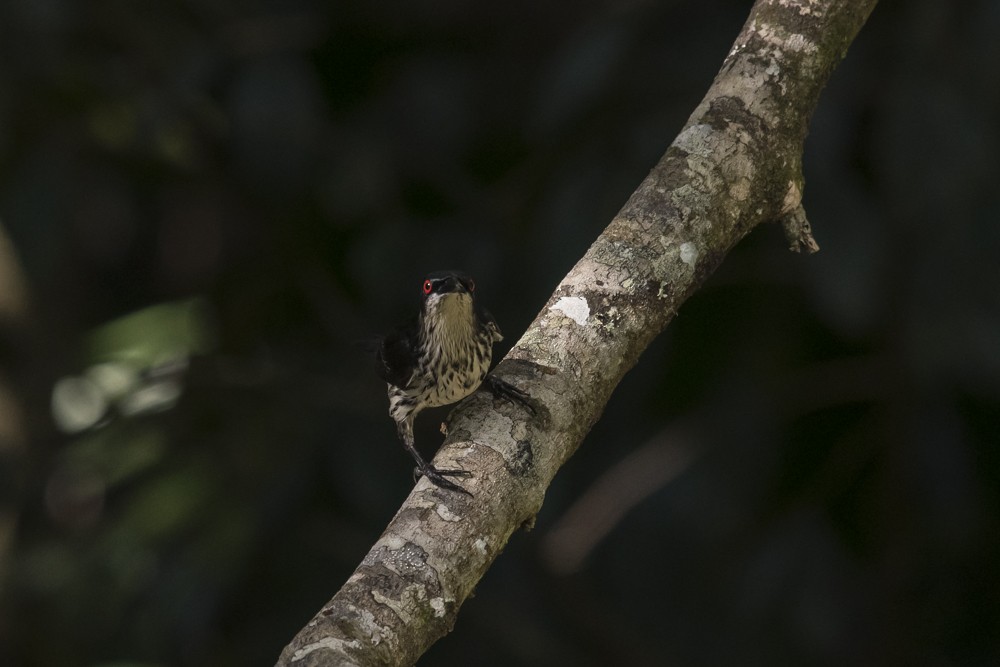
(503, 389)
(440, 477)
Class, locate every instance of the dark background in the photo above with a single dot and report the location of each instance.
(223, 198)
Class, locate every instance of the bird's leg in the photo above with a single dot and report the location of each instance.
(503, 389)
(438, 476)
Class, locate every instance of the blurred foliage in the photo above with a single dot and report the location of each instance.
(228, 197)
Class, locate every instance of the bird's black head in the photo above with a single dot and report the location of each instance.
(447, 282)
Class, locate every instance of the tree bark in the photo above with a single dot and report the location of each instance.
(736, 163)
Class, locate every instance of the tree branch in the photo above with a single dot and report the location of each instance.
(736, 163)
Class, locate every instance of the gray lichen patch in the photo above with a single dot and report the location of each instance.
(398, 555)
(574, 307)
(325, 644)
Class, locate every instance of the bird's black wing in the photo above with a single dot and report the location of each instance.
(396, 355)
(486, 319)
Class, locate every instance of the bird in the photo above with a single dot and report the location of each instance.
(439, 358)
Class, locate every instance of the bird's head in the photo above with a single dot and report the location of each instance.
(448, 294)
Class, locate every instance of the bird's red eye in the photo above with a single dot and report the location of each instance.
(471, 285)
(428, 286)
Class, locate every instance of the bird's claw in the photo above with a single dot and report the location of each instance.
(503, 389)
(440, 477)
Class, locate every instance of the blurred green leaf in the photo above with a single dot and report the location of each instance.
(169, 505)
(118, 453)
(155, 335)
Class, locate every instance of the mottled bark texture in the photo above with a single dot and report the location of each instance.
(736, 164)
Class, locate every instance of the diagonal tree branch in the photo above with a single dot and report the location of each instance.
(736, 163)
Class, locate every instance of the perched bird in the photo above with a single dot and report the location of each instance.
(440, 358)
